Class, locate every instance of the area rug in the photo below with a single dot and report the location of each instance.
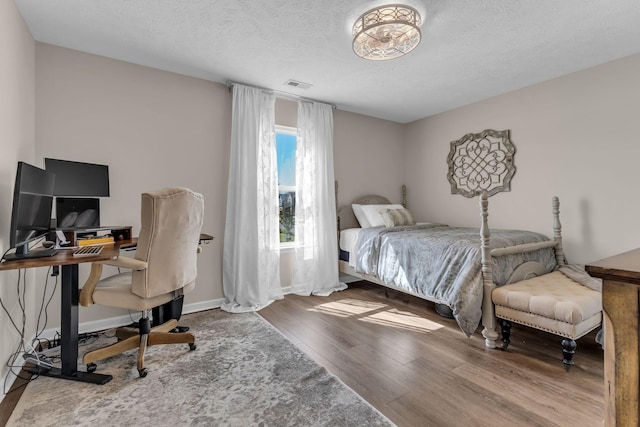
(243, 373)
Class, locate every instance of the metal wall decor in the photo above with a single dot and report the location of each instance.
(481, 162)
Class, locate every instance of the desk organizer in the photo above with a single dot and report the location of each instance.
(78, 237)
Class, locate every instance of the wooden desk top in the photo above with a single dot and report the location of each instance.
(65, 257)
(622, 267)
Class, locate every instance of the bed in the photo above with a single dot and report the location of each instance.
(454, 267)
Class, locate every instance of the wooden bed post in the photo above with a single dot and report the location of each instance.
(557, 231)
(488, 315)
(337, 215)
(404, 196)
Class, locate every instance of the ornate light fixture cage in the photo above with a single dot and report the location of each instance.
(386, 32)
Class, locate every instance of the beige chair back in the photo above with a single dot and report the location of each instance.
(168, 241)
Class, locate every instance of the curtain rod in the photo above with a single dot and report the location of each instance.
(280, 94)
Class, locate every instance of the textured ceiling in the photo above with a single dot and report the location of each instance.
(471, 49)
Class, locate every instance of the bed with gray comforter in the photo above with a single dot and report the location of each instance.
(444, 264)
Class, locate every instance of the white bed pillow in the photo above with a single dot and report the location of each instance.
(395, 217)
(373, 213)
(359, 213)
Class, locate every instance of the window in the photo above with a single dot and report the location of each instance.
(286, 153)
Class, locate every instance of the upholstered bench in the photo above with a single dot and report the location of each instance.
(553, 302)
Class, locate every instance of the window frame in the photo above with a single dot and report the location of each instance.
(287, 130)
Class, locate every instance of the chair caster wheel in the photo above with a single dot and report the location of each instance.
(192, 346)
(91, 367)
(143, 372)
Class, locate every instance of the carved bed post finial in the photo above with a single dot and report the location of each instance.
(404, 195)
(488, 317)
(557, 230)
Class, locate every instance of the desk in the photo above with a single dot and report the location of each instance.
(620, 276)
(69, 307)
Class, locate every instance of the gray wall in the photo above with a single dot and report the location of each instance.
(17, 116)
(575, 137)
(155, 129)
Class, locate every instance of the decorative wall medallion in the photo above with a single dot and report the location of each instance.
(481, 162)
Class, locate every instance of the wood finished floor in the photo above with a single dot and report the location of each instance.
(419, 369)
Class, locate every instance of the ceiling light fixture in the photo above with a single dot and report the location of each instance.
(386, 32)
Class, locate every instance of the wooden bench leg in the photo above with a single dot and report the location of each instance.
(506, 333)
(568, 350)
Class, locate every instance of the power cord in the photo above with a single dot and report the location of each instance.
(33, 352)
(12, 362)
(43, 306)
(19, 330)
(4, 254)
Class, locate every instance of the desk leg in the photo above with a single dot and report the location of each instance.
(621, 308)
(69, 339)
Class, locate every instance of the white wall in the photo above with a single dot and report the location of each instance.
(367, 159)
(17, 114)
(575, 137)
(153, 128)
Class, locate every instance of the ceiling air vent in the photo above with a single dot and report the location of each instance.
(297, 84)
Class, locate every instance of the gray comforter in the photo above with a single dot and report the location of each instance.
(443, 264)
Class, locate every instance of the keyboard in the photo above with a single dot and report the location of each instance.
(87, 251)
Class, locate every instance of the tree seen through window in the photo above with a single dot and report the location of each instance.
(286, 153)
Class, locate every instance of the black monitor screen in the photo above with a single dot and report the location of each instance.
(33, 217)
(80, 213)
(77, 179)
(32, 203)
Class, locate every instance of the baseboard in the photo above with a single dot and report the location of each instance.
(202, 306)
(114, 322)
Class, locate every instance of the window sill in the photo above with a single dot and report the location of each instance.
(286, 248)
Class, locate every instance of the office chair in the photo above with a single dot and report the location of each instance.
(163, 268)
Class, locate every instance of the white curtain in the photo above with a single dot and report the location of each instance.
(315, 269)
(251, 255)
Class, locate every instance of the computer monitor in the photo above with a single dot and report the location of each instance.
(78, 179)
(77, 187)
(31, 210)
(77, 212)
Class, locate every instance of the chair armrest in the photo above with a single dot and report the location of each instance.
(86, 293)
(124, 262)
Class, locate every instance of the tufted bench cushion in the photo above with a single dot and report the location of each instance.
(551, 302)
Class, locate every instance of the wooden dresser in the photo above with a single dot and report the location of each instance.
(620, 276)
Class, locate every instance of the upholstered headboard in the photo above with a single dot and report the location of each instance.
(346, 218)
(372, 199)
